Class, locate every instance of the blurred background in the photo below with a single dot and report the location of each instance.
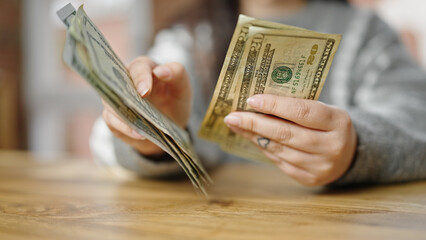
(46, 108)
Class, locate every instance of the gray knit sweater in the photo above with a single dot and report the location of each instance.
(373, 78)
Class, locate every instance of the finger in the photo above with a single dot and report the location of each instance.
(116, 124)
(141, 72)
(280, 152)
(302, 176)
(279, 130)
(308, 113)
(108, 108)
(297, 173)
(175, 75)
(170, 72)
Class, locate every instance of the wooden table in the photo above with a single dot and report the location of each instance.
(66, 198)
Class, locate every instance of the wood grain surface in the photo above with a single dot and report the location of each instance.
(66, 198)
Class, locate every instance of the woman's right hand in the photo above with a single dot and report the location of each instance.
(167, 87)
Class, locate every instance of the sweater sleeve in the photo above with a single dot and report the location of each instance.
(115, 155)
(388, 111)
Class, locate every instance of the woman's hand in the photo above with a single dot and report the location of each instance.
(312, 142)
(167, 87)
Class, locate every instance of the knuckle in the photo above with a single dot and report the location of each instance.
(294, 158)
(272, 105)
(141, 59)
(326, 169)
(292, 172)
(284, 134)
(272, 156)
(336, 149)
(303, 111)
(328, 115)
(313, 180)
(178, 67)
(182, 72)
(178, 71)
(140, 65)
(345, 121)
(317, 181)
(276, 148)
(250, 124)
(134, 64)
(310, 140)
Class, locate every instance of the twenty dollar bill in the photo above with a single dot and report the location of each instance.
(269, 58)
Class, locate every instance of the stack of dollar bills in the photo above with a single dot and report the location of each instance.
(87, 52)
(263, 57)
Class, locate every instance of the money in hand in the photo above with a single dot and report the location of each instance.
(263, 57)
(88, 53)
(270, 58)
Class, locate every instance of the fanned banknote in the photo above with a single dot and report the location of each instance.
(88, 52)
(266, 57)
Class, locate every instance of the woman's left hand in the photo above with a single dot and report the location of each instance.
(310, 141)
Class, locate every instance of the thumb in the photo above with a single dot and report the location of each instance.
(175, 75)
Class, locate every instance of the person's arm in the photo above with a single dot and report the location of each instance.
(379, 138)
(388, 112)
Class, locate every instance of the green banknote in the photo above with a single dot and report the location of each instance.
(87, 52)
(266, 57)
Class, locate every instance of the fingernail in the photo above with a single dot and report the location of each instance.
(136, 135)
(162, 72)
(232, 120)
(255, 102)
(142, 88)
